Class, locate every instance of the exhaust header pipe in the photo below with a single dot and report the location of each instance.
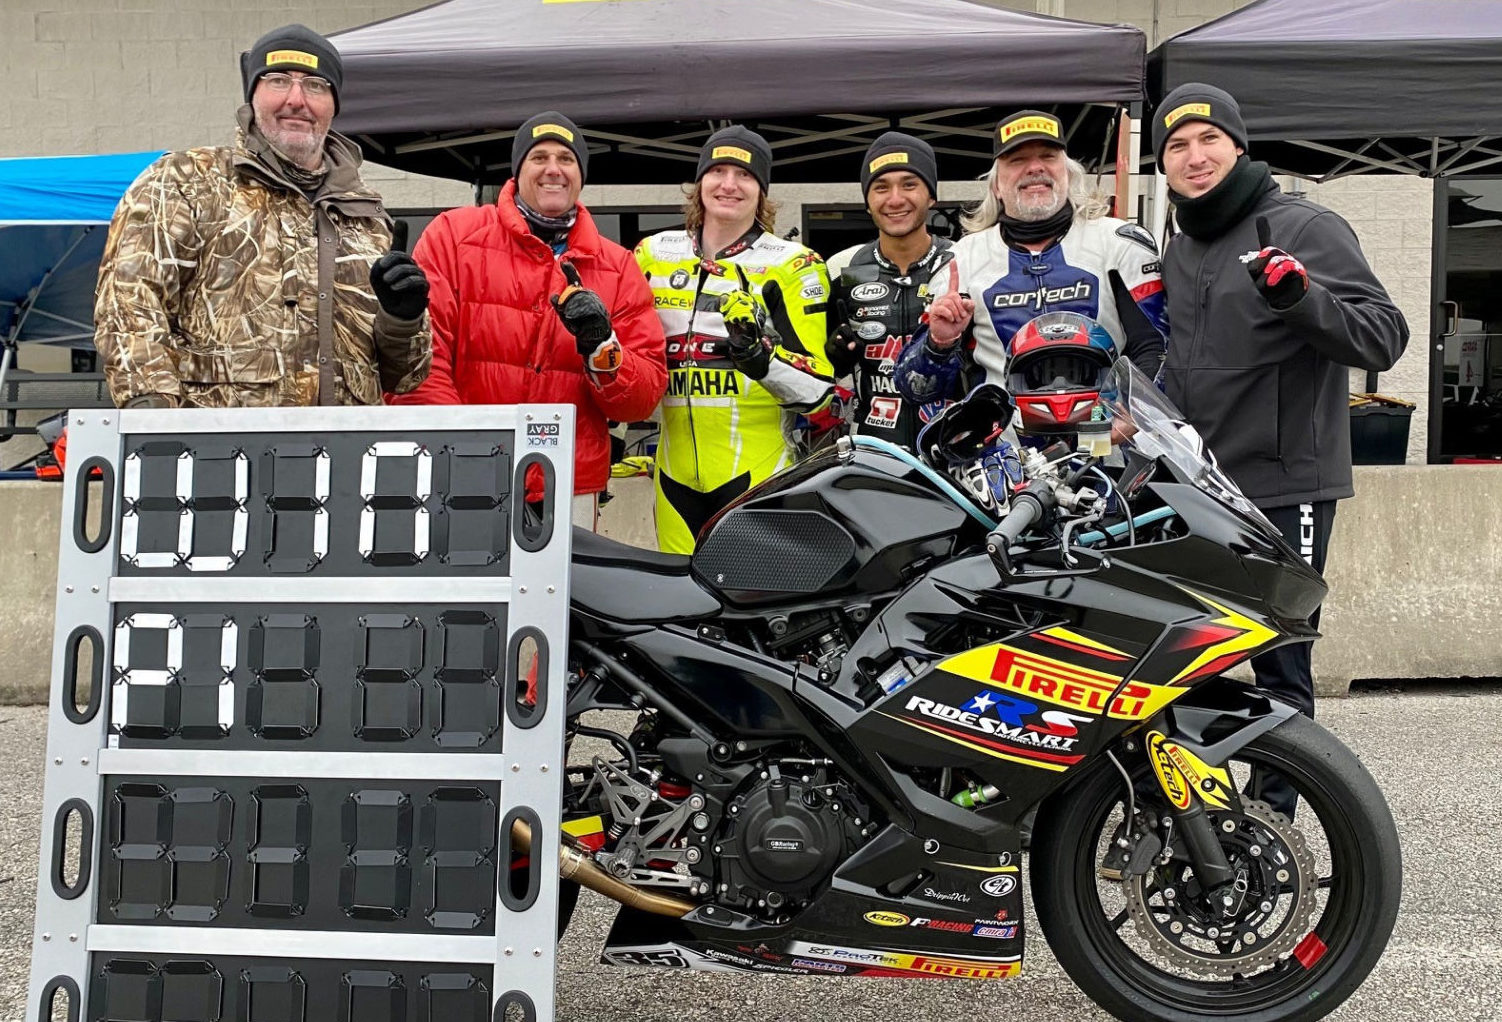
(576, 864)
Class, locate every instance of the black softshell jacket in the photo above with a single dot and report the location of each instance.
(1268, 389)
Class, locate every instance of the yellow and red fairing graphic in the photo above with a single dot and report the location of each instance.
(589, 831)
(1223, 641)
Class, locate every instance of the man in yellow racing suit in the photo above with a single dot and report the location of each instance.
(744, 316)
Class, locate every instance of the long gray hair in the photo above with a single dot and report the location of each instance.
(1089, 201)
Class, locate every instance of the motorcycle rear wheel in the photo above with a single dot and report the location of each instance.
(1342, 813)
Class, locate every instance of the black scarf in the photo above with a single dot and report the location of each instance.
(551, 229)
(1208, 216)
(1030, 232)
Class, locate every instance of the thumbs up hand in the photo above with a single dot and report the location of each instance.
(584, 315)
(1281, 279)
(745, 330)
(399, 283)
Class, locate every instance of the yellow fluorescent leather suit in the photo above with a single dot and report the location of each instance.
(723, 432)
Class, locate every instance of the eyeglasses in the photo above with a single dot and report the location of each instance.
(281, 84)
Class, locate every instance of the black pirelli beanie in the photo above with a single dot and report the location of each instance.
(740, 147)
(292, 48)
(895, 150)
(550, 126)
(1196, 101)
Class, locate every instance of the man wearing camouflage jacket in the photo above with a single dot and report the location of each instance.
(259, 274)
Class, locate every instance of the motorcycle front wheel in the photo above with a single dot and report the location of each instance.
(1317, 896)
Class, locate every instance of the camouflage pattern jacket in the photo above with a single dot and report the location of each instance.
(222, 285)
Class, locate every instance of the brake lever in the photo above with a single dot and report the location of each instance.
(1071, 526)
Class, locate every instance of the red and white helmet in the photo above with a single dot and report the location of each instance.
(1058, 363)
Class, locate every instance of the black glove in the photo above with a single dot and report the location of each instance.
(584, 315)
(400, 285)
(843, 350)
(1280, 277)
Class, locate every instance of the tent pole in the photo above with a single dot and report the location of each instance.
(1159, 225)
(5, 359)
(1128, 155)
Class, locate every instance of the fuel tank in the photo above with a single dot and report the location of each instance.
(840, 525)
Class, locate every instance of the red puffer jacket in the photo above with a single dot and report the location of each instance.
(497, 340)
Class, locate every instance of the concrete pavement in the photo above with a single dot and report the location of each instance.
(1436, 752)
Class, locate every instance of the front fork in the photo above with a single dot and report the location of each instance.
(1187, 782)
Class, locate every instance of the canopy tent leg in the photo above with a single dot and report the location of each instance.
(6, 358)
(1159, 213)
(1128, 156)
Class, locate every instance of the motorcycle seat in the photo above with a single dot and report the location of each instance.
(628, 584)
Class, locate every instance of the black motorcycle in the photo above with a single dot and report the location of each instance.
(862, 680)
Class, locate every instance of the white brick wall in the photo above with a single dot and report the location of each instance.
(1393, 217)
(90, 76)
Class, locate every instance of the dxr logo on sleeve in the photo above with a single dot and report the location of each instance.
(542, 434)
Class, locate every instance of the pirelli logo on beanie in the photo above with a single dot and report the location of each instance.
(1178, 113)
(1041, 125)
(886, 161)
(730, 152)
(276, 57)
(553, 129)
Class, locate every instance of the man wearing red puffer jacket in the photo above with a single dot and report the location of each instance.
(528, 303)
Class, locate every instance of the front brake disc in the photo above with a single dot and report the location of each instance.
(1178, 922)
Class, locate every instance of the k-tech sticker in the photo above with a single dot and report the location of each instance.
(1175, 785)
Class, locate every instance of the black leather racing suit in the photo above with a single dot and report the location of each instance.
(882, 307)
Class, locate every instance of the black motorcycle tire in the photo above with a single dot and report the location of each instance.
(1357, 919)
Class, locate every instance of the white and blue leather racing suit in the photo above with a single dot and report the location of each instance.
(1011, 286)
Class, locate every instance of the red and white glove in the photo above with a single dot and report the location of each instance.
(1278, 276)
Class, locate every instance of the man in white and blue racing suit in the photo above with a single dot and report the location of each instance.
(1032, 250)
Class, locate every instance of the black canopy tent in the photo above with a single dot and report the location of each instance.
(441, 90)
(1346, 87)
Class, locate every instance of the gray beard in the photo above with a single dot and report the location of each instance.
(301, 151)
(1032, 212)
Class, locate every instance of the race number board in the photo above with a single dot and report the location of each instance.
(308, 676)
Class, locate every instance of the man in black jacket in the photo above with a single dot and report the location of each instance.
(1269, 301)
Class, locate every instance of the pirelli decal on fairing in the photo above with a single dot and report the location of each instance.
(878, 962)
(1063, 684)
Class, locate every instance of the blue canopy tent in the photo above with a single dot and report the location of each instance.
(54, 215)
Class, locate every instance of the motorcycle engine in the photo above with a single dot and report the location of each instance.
(782, 836)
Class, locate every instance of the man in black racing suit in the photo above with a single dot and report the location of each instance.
(879, 288)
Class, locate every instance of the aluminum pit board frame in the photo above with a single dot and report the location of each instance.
(305, 724)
